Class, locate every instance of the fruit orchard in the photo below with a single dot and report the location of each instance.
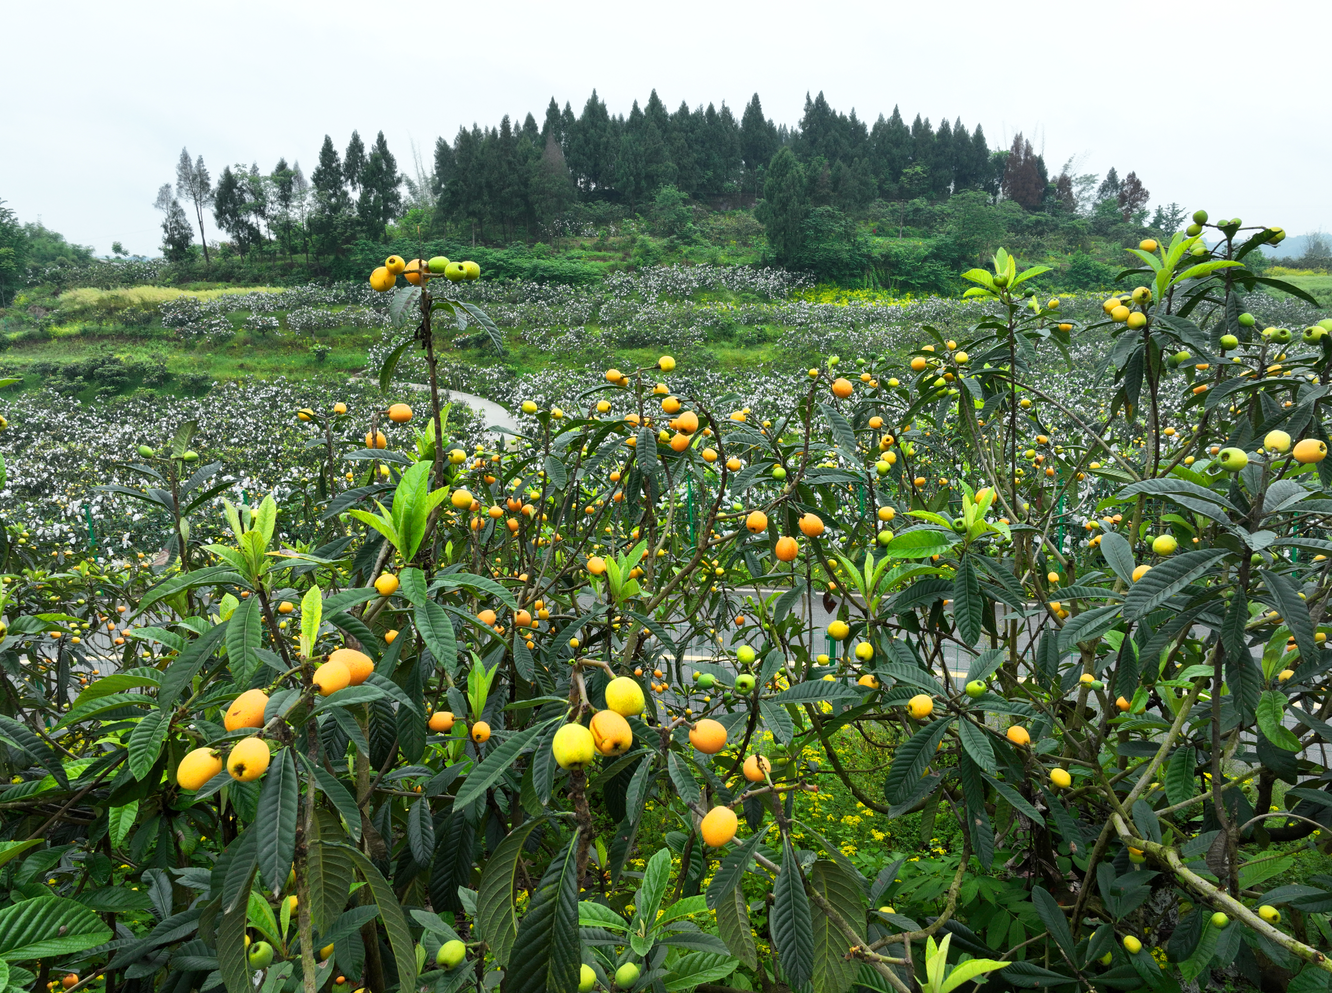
(548, 712)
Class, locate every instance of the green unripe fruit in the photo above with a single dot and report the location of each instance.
(1181, 357)
(190, 457)
(626, 975)
(587, 978)
(1107, 958)
(745, 655)
(1281, 335)
(145, 452)
(744, 684)
(1233, 459)
(885, 536)
(882, 467)
(1219, 920)
(1269, 913)
(1001, 280)
(706, 681)
(261, 955)
(832, 361)
(1193, 230)
(1229, 341)
(451, 954)
(1132, 945)
(1200, 217)
(1096, 684)
(975, 688)
(778, 472)
(1247, 320)
(1314, 334)
(1326, 324)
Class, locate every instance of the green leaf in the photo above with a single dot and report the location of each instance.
(231, 961)
(919, 543)
(1055, 921)
(275, 820)
(977, 744)
(341, 798)
(1167, 579)
(734, 929)
(833, 973)
(548, 932)
(120, 820)
(818, 690)
(437, 630)
(1294, 611)
(911, 758)
(967, 971)
(244, 636)
(391, 364)
(49, 926)
(683, 778)
(731, 870)
(496, 915)
(145, 742)
(1271, 713)
(790, 922)
(421, 831)
(94, 708)
(697, 968)
(494, 765)
(968, 604)
(1016, 799)
(329, 873)
(1118, 554)
(656, 877)
(1180, 784)
(395, 922)
(180, 673)
(312, 613)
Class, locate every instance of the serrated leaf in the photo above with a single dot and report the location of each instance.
(145, 742)
(494, 765)
(395, 922)
(833, 973)
(437, 630)
(731, 870)
(548, 932)
(911, 758)
(1167, 579)
(496, 914)
(421, 831)
(1271, 713)
(51, 926)
(790, 922)
(734, 929)
(244, 636)
(275, 820)
(683, 779)
(977, 745)
(1118, 554)
(968, 604)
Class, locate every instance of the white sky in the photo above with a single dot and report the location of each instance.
(101, 96)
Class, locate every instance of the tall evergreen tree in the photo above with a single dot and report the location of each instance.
(177, 234)
(1133, 196)
(553, 189)
(355, 161)
(785, 206)
(194, 186)
(758, 142)
(890, 150)
(1023, 181)
(381, 190)
(332, 219)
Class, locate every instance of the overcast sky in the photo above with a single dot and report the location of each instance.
(100, 97)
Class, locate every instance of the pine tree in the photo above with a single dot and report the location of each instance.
(177, 234)
(193, 185)
(381, 195)
(758, 142)
(890, 150)
(784, 207)
(1023, 181)
(355, 161)
(552, 187)
(332, 222)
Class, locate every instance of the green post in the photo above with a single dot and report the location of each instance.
(92, 538)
